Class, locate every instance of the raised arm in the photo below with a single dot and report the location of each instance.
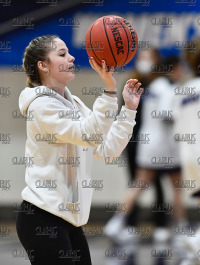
(122, 128)
(89, 131)
(86, 131)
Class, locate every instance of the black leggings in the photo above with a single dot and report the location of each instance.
(49, 239)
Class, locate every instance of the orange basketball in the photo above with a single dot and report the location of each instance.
(113, 39)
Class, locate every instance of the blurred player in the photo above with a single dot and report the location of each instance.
(188, 131)
(158, 157)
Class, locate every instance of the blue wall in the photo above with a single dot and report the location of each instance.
(18, 39)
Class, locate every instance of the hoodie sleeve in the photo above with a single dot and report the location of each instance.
(87, 131)
(118, 135)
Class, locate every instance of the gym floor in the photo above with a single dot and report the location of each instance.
(100, 247)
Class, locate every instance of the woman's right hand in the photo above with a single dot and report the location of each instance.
(106, 76)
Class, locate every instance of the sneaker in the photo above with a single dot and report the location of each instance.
(114, 226)
(193, 246)
(128, 236)
(161, 235)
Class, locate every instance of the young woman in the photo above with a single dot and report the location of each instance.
(63, 131)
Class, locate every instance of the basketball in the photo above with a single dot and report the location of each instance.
(113, 39)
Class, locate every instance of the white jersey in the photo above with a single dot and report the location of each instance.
(187, 131)
(157, 123)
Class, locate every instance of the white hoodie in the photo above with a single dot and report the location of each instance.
(63, 135)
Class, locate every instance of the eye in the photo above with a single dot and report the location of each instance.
(63, 54)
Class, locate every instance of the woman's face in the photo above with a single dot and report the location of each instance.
(60, 64)
(145, 61)
(146, 55)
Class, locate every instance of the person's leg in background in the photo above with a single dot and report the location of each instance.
(159, 217)
(143, 176)
(178, 205)
(161, 233)
(119, 222)
(180, 222)
(116, 228)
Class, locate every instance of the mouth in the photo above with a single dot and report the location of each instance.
(72, 68)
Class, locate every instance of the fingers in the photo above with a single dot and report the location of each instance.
(104, 66)
(94, 65)
(133, 87)
(132, 82)
(141, 90)
(91, 63)
(111, 70)
(98, 69)
(91, 60)
(107, 68)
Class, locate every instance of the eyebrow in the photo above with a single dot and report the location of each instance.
(63, 49)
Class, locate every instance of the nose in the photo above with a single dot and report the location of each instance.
(71, 58)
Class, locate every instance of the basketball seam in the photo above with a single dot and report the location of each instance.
(109, 42)
(91, 43)
(127, 40)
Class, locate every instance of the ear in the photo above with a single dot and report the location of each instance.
(42, 66)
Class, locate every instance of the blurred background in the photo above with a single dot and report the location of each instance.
(171, 28)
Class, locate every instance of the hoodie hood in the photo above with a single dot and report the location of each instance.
(29, 94)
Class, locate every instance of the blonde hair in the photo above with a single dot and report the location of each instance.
(37, 50)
